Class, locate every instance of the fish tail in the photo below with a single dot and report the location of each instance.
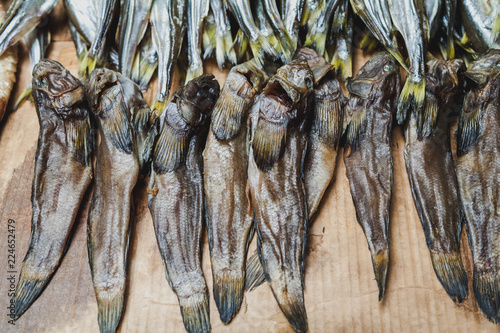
(147, 69)
(486, 287)
(291, 303)
(380, 263)
(451, 273)
(109, 311)
(397, 55)
(25, 95)
(342, 66)
(27, 291)
(228, 293)
(427, 117)
(193, 72)
(195, 313)
(262, 47)
(448, 49)
(229, 51)
(255, 273)
(220, 50)
(316, 41)
(412, 97)
(495, 31)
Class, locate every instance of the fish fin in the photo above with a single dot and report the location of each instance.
(397, 55)
(487, 290)
(80, 139)
(468, 130)
(366, 42)
(255, 273)
(342, 66)
(140, 116)
(195, 313)
(427, 117)
(27, 291)
(451, 273)
(291, 302)
(149, 143)
(268, 143)
(380, 263)
(170, 150)
(327, 120)
(109, 311)
(356, 127)
(228, 293)
(227, 115)
(262, 47)
(146, 72)
(25, 95)
(229, 51)
(119, 131)
(412, 97)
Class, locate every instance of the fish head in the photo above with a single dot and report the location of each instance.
(103, 91)
(484, 69)
(287, 92)
(246, 79)
(378, 79)
(196, 100)
(319, 66)
(444, 77)
(55, 87)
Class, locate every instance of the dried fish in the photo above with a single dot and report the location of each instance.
(277, 150)
(431, 171)
(122, 117)
(22, 16)
(368, 159)
(228, 212)
(63, 172)
(176, 195)
(224, 49)
(8, 63)
(481, 20)
(196, 13)
(478, 167)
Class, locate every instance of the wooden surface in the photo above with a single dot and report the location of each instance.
(341, 293)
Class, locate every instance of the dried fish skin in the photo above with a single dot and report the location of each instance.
(229, 216)
(433, 180)
(22, 16)
(368, 159)
(63, 172)
(116, 173)
(277, 150)
(176, 196)
(478, 167)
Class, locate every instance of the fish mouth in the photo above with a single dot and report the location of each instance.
(100, 82)
(478, 77)
(282, 91)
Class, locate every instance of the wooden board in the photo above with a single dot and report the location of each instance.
(341, 292)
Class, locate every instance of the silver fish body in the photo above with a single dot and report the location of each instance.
(196, 13)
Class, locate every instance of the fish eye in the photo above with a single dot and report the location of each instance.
(387, 68)
(308, 82)
(42, 83)
(498, 65)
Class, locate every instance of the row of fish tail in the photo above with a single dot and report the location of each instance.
(228, 293)
(195, 311)
(451, 273)
(109, 307)
(255, 273)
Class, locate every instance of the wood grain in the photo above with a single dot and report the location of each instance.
(341, 293)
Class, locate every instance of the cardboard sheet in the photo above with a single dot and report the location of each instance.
(341, 292)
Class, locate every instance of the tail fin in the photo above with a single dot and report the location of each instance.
(451, 273)
(25, 95)
(262, 47)
(228, 293)
(412, 97)
(380, 263)
(195, 313)
(27, 291)
(255, 273)
(109, 311)
(290, 297)
(486, 287)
